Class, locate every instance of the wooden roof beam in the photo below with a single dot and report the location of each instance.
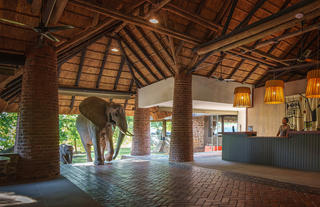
(215, 66)
(163, 45)
(280, 21)
(133, 20)
(251, 58)
(103, 63)
(132, 66)
(83, 55)
(226, 25)
(144, 51)
(246, 20)
(58, 11)
(139, 58)
(155, 50)
(234, 70)
(77, 91)
(195, 18)
(119, 73)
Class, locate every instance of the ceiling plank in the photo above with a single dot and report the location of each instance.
(133, 20)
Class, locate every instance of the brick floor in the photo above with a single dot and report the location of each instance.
(160, 183)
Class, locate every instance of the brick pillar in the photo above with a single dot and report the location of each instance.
(141, 129)
(38, 141)
(181, 143)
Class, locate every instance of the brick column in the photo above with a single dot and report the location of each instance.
(38, 141)
(141, 129)
(181, 143)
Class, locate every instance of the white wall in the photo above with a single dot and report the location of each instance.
(203, 89)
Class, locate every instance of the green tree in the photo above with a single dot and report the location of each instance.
(68, 132)
(8, 123)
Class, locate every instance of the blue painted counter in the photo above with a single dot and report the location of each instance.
(300, 150)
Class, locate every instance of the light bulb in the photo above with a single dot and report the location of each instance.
(154, 21)
(115, 49)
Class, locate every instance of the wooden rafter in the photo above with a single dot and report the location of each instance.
(132, 66)
(133, 20)
(165, 48)
(83, 55)
(226, 25)
(119, 73)
(234, 70)
(215, 66)
(247, 19)
(155, 50)
(279, 21)
(139, 58)
(144, 51)
(103, 63)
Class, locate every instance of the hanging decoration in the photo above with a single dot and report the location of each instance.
(313, 85)
(242, 97)
(274, 92)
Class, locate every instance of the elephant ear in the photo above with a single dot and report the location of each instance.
(94, 109)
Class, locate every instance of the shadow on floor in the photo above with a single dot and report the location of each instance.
(56, 192)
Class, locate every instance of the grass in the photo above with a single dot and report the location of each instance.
(82, 157)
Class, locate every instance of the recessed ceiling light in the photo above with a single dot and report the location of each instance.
(154, 21)
(115, 49)
(299, 16)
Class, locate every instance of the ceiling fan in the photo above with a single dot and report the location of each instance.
(220, 78)
(43, 29)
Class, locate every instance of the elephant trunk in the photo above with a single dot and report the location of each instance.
(123, 128)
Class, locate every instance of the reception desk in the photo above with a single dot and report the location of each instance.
(300, 150)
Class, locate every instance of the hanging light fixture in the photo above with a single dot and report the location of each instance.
(242, 97)
(313, 85)
(274, 92)
(313, 76)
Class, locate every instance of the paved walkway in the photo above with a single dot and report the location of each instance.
(160, 183)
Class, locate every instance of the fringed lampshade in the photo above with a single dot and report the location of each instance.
(274, 92)
(242, 97)
(313, 85)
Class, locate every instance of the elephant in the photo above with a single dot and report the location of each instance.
(96, 124)
(66, 153)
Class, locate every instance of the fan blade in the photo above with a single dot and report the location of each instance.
(51, 37)
(58, 28)
(14, 22)
(48, 9)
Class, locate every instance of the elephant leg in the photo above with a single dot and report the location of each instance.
(102, 145)
(95, 135)
(109, 143)
(88, 151)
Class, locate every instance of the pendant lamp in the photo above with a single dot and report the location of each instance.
(313, 85)
(274, 92)
(242, 97)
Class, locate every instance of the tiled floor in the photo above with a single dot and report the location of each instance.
(160, 183)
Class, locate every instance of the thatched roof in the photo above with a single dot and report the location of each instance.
(149, 53)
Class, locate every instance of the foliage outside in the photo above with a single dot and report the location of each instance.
(8, 124)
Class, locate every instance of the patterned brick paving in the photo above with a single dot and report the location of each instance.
(159, 183)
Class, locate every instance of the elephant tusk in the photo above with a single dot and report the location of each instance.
(129, 134)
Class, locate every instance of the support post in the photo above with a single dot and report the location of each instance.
(141, 129)
(181, 142)
(38, 141)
